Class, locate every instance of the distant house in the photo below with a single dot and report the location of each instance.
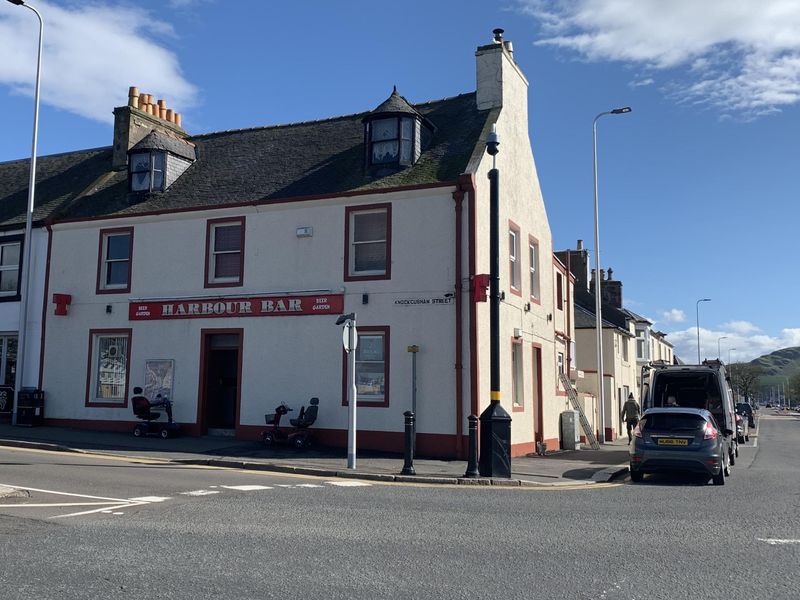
(214, 266)
(621, 367)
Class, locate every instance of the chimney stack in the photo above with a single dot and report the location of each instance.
(580, 245)
(141, 116)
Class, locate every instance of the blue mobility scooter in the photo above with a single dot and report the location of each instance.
(143, 409)
(300, 436)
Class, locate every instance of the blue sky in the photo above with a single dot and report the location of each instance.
(698, 192)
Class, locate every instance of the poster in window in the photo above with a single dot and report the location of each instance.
(158, 376)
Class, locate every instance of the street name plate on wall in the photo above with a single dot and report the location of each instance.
(253, 306)
(424, 301)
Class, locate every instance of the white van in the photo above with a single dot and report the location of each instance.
(693, 386)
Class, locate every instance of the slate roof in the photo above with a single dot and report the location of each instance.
(395, 103)
(586, 319)
(316, 158)
(155, 140)
(585, 303)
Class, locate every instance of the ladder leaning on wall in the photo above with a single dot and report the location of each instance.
(573, 397)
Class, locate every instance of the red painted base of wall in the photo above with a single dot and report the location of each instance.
(428, 445)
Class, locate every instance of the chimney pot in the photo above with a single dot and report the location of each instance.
(498, 35)
(162, 113)
(133, 97)
(162, 104)
(170, 115)
(580, 245)
(178, 119)
(602, 274)
(610, 273)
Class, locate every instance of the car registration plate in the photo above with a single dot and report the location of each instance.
(673, 442)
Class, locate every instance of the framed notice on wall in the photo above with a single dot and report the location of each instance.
(158, 376)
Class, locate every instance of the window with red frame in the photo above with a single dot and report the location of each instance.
(225, 252)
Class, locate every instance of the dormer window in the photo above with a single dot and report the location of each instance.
(147, 171)
(392, 140)
(395, 135)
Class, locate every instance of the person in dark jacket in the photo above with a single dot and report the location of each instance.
(630, 414)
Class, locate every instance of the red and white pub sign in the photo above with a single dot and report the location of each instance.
(253, 306)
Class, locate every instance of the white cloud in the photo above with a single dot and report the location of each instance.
(736, 56)
(674, 315)
(742, 327)
(743, 342)
(641, 82)
(92, 54)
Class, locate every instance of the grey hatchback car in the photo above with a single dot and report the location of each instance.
(678, 439)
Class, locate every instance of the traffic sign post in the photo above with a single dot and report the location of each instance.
(350, 343)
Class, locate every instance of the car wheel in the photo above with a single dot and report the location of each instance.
(269, 440)
(137, 432)
(747, 438)
(719, 479)
(726, 467)
(165, 433)
(732, 456)
(636, 476)
(740, 439)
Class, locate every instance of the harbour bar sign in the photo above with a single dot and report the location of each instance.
(254, 306)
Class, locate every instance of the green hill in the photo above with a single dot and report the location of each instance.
(781, 363)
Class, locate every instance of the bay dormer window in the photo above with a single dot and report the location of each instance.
(156, 162)
(395, 135)
(147, 171)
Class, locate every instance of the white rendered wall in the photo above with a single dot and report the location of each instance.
(284, 358)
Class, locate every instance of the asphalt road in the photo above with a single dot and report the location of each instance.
(109, 528)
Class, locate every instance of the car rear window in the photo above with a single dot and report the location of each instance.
(673, 422)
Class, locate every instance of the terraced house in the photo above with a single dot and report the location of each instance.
(213, 267)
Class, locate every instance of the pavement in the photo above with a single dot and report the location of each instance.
(556, 468)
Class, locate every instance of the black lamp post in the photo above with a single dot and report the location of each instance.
(495, 436)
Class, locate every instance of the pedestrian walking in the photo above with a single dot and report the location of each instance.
(630, 414)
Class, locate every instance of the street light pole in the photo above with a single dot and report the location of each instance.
(26, 262)
(719, 355)
(697, 310)
(730, 366)
(598, 308)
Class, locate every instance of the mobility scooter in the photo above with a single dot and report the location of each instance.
(142, 408)
(299, 437)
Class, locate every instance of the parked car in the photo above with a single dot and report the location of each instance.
(744, 409)
(679, 439)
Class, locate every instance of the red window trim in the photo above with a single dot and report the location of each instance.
(384, 329)
(348, 210)
(90, 367)
(535, 241)
(517, 291)
(209, 227)
(99, 289)
(514, 406)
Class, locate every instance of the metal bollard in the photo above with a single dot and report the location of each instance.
(408, 454)
(472, 458)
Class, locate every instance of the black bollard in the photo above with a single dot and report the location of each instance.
(408, 455)
(472, 458)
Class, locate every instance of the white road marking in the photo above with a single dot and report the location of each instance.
(89, 512)
(58, 504)
(348, 483)
(149, 499)
(309, 485)
(247, 488)
(777, 542)
(30, 489)
(284, 485)
(118, 513)
(200, 492)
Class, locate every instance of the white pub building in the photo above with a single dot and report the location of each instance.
(213, 268)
